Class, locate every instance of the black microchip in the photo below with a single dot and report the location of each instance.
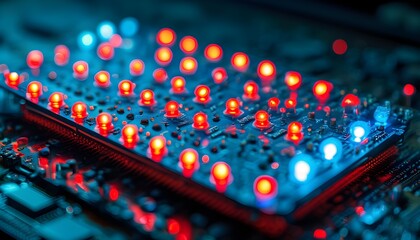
(65, 228)
(30, 201)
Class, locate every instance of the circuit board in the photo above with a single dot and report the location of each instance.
(243, 135)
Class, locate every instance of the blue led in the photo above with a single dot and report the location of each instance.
(129, 27)
(302, 168)
(359, 130)
(331, 149)
(105, 30)
(381, 115)
(86, 40)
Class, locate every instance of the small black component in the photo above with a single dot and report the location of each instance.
(65, 228)
(120, 111)
(144, 122)
(130, 116)
(157, 127)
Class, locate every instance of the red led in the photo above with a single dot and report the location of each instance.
(178, 85)
(56, 100)
(126, 88)
(251, 91)
(290, 103)
(79, 111)
(189, 161)
(116, 40)
(339, 46)
(188, 44)
(102, 79)
(240, 61)
(233, 107)
(173, 226)
(157, 148)
(221, 175)
(113, 193)
(265, 187)
(160, 75)
(294, 132)
(262, 120)
(147, 98)
(130, 135)
(320, 234)
(34, 89)
(202, 94)
(350, 100)
(136, 67)
(61, 55)
(104, 122)
(273, 103)
(78, 178)
(105, 51)
(80, 70)
(266, 71)
(200, 121)
(409, 89)
(293, 80)
(322, 90)
(166, 37)
(219, 75)
(213, 53)
(13, 79)
(35, 59)
(163, 56)
(188, 65)
(172, 109)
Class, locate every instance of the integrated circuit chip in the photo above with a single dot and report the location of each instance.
(30, 201)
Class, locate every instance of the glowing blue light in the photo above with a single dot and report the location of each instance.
(129, 27)
(105, 30)
(381, 115)
(359, 130)
(331, 149)
(302, 168)
(86, 40)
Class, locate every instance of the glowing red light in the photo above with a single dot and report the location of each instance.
(13, 79)
(113, 193)
(56, 100)
(178, 85)
(219, 75)
(78, 178)
(262, 120)
(322, 89)
(172, 109)
(80, 70)
(350, 100)
(240, 61)
(104, 122)
(213, 53)
(188, 44)
(320, 234)
(409, 89)
(102, 79)
(188, 65)
(136, 67)
(163, 56)
(34, 89)
(273, 103)
(129, 135)
(189, 161)
(116, 40)
(157, 147)
(360, 210)
(233, 107)
(293, 80)
(166, 37)
(105, 51)
(200, 121)
(35, 59)
(251, 91)
(220, 175)
(290, 103)
(266, 70)
(79, 111)
(61, 55)
(160, 75)
(265, 187)
(202, 94)
(294, 132)
(126, 88)
(173, 226)
(147, 98)
(339, 46)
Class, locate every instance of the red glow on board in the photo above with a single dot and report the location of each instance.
(188, 65)
(350, 100)
(188, 44)
(157, 148)
(273, 103)
(265, 187)
(294, 132)
(200, 121)
(290, 103)
(34, 59)
(409, 89)
(233, 107)
(240, 61)
(61, 55)
(213, 52)
(339, 46)
(322, 89)
(189, 161)
(172, 109)
(34, 89)
(163, 56)
(13, 79)
(147, 98)
(220, 175)
(80, 70)
(104, 122)
(293, 80)
(105, 51)
(320, 234)
(166, 37)
(113, 193)
(251, 91)
(129, 135)
(202, 94)
(126, 88)
(262, 120)
(102, 79)
(266, 71)
(219, 75)
(116, 40)
(56, 100)
(178, 85)
(79, 111)
(136, 67)
(160, 75)
(173, 226)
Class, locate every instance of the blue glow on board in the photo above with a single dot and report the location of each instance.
(86, 40)
(129, 27)
(381, 115)
(302, 168)
(331, 149)
(359, 130)
(105, 30)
